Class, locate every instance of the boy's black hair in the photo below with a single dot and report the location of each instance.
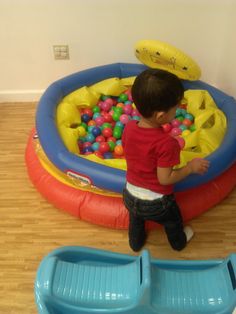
(156, 90)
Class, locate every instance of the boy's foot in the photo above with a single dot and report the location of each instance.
(136, 242)
(188, 232)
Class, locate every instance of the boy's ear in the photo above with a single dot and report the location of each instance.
(160, 115)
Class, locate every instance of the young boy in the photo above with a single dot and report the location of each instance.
(151, 155)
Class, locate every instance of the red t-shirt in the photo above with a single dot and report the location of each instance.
(146, 149)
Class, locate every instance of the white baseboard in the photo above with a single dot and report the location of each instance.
(20, 95)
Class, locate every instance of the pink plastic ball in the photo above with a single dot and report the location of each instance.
(128, 109)
(135, 113)
(106, 105)
(124, 118)
(175, 123)
(99, 120)
(175, 132)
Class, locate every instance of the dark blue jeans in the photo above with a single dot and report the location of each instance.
(164, 211)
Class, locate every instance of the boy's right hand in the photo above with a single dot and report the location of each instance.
(198, 165)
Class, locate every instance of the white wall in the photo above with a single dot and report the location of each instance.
(105, 31)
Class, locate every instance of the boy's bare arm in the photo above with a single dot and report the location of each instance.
(167, 176)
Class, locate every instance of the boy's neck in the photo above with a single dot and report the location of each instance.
(148, 123)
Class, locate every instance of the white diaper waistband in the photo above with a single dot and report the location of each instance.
(142, 193)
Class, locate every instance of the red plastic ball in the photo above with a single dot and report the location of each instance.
(166, 127)
(104, 147)
(107, 132)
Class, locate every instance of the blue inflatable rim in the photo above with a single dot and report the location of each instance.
(106, 177)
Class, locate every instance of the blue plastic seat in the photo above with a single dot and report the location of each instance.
(77, 280)
(192, 291)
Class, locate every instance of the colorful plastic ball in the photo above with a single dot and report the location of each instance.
(84, 125)
(104, 97)
(112, 145)
(135, 112)
(189, 116)
(123, 97)
(116, 116)
(128, 93)
(96, 115)
(180, 141)
(91, 122)
(88, 150)
(183, 112)
(108, 155)
(120, 105)
(96, 131)
(111, 139)
(137, 118)
(87, 144)
(117, 132)
(178, 112)
(104, 147)
(88, 111)
(82, 139)
(95, 146)
(100, 139)
(107, 117)
(128, 102)
(192, 128)
(96, 109)
(119, 142)
(120, 124)
(183, 127)
(107, 132)
(166, 127)
(85, 117)
(175, 131)
(186, 132)
(98, 154)
(90, 128)
(175, 123)
(82, 131)
(124, 118)
(187, 122)
(106, 125)
(118, 110)
(128, 109)
(180, 118)
(90, 138)
(99, 120)
(106, 106)
(119, 150)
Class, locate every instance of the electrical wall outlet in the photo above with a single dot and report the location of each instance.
(61, 52)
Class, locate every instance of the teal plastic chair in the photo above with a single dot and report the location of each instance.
(79, 280)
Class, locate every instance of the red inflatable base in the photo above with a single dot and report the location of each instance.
(110, 211)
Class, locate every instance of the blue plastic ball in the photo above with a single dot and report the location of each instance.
(189, 116)
(120, 124)
(119, 142)
(95, 146)
(88, 149)
(85, 118)
(90, 138)
(108, 155)
(96, 115)
(96, 131)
